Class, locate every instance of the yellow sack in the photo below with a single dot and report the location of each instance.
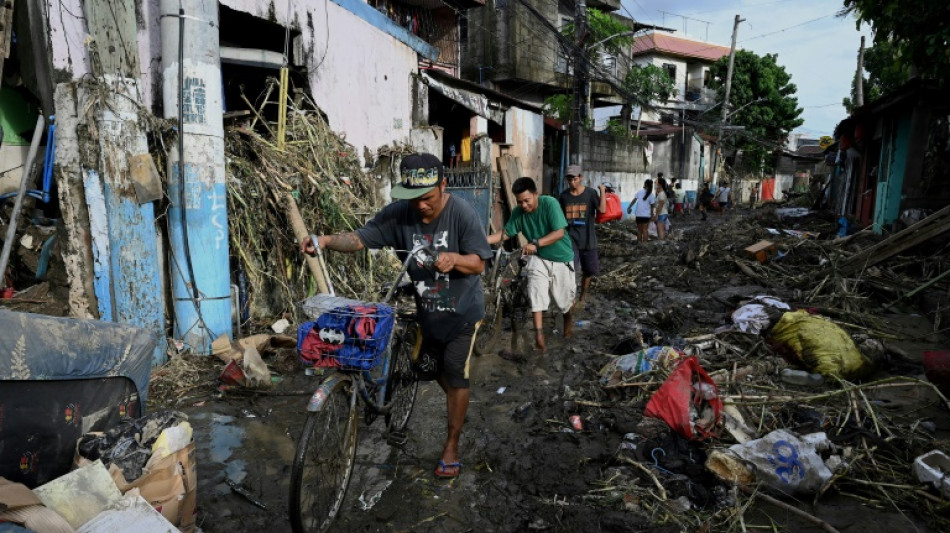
(819, 345)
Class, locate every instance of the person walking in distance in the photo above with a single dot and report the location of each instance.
(550, 254)
(663, 194)
(642, 209)
(581, 205)
(449, 297)
(724, 197)
(705, 199)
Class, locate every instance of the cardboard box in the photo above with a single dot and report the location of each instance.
(171, 487)
(761, 251)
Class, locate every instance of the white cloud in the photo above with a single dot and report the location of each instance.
(820, 55)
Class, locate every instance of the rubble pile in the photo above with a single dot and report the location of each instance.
(821, 384)
(323, 175)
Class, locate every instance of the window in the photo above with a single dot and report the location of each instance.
(463, 27)
(670, 69)
(707, 77)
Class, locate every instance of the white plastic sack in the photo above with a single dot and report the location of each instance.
(651, 230)
(781, 459)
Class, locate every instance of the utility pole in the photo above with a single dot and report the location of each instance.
(725, 102)
(859, 78)
(579, 119)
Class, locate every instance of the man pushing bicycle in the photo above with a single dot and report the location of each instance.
(448, 290)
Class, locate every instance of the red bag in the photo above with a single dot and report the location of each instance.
(688, 387)
(614, 209)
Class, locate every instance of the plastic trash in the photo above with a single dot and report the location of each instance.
(751, 318)
(128, 445)
(582, 323)
(688, 401)
(781, 459)
(170, 441)
(934, 468)
(801, 377)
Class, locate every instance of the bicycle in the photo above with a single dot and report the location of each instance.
(385, 383)
(506, 295)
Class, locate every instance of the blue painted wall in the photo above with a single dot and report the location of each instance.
(894, 154)
(206, 209)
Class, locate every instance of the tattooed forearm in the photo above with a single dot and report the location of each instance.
(344, 242)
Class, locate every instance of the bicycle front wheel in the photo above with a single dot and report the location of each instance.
(486, 338)
(323, 462)
(402, 383)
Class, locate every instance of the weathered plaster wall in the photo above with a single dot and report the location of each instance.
(524, 132)
(365, 90)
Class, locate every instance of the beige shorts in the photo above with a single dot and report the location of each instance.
(548, 280)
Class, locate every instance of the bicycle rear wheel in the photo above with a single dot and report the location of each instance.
(402, 383)
(323, 462)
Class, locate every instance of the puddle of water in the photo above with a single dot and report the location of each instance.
(222, 436)
(236, 471)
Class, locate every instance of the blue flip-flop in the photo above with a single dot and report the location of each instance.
(440, 470)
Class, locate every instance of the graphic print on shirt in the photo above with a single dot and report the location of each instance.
(576, 214)
(434, 293)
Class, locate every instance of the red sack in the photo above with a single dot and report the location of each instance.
(614, 209)
(688, 388)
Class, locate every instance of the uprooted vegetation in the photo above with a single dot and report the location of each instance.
(321, 172)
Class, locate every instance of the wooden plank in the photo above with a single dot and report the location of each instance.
(928, 228)
(6, 29)
(505, 166)
(76, 247)
(112, 24)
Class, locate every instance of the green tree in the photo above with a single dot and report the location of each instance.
(648, 84)
(605, 31)
(763, 97)
(559, 106)
(919, 31)
(884, 72)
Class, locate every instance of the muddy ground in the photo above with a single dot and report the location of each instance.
(525, 468)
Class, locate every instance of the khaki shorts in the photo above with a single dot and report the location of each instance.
(549, 280)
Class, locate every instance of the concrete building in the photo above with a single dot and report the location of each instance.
(107, 66)
(688, 62)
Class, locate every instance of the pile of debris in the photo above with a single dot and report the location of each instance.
(759, 371)
(317, 173)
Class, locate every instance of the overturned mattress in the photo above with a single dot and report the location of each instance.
(60, 378)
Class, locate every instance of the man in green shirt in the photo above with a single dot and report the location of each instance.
(550, 254)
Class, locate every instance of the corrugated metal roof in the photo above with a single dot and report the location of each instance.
(657, 43)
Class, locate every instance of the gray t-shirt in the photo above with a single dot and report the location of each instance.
(581, 212)
(445, 302)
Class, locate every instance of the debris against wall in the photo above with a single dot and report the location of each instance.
(323, 174)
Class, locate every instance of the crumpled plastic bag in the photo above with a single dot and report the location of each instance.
(129, 444)
(688, 401)
(819, 345)
(654, 357)
(783, 460)
(754, 317)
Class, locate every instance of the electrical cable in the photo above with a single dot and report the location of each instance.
(181, 151)
(195, 293)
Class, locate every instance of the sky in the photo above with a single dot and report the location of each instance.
(816, 47)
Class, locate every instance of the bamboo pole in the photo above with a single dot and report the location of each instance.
(300, 233)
